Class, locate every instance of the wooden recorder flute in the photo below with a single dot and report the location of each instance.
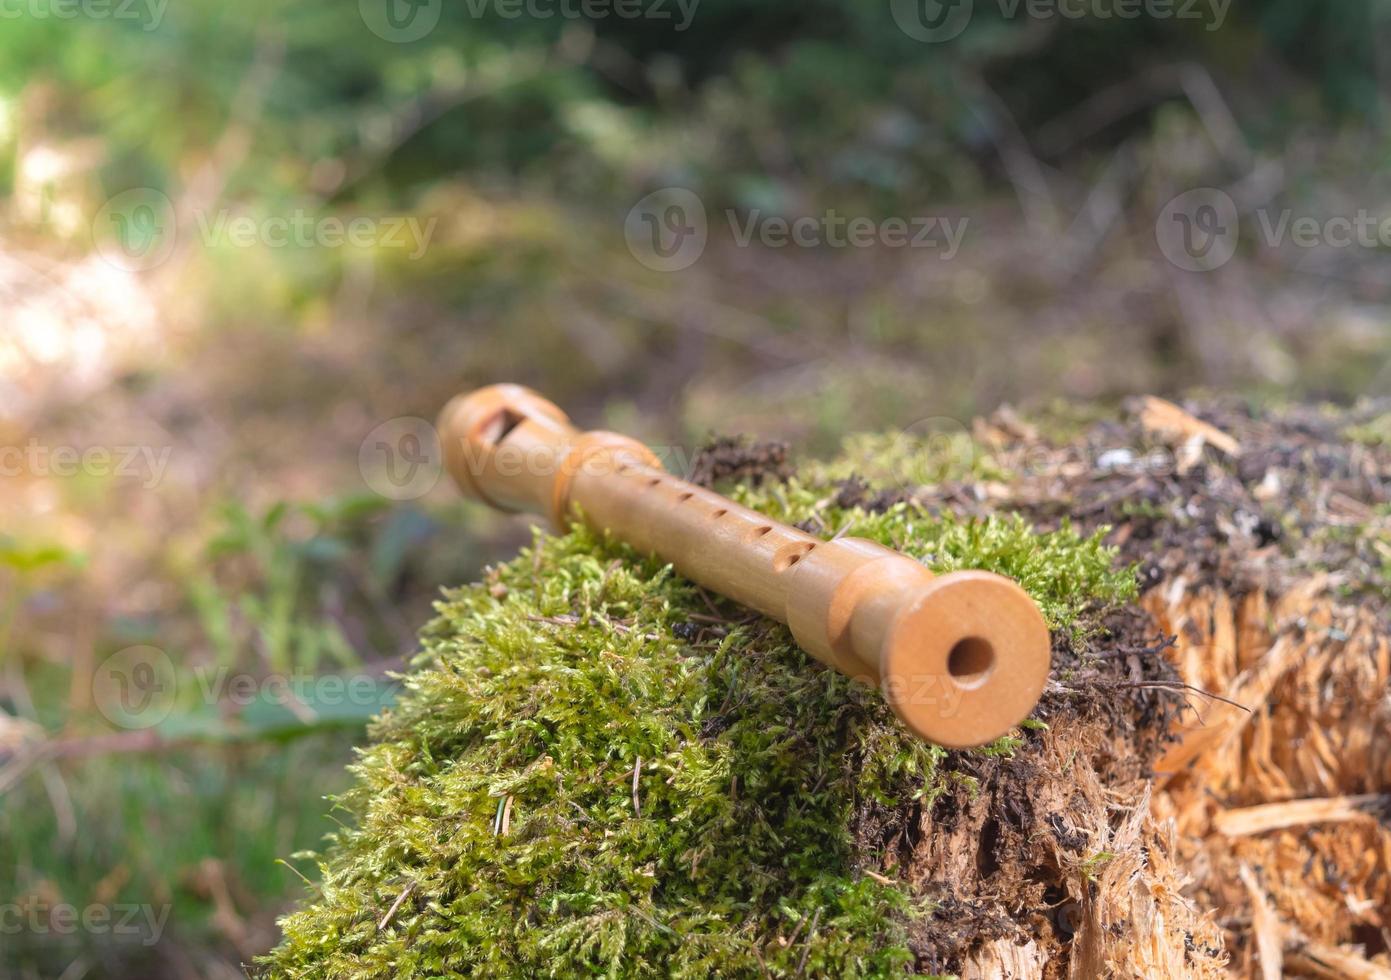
(962, 658)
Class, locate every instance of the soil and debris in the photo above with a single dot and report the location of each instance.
(601, 768)
(737, 459)
(1263, 544)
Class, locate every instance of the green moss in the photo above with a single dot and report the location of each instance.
(1376, 432)
(571, 788)
(1359, 554)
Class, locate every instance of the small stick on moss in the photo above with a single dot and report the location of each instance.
(762, 964)
(709, 604)
(637, 771)
(806, 950)
(570, 619)
(796, 931)
(1179, 686)
(396, 905)
(1164, 643)
(297, 871)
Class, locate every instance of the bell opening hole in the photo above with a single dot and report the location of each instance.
(970, 661)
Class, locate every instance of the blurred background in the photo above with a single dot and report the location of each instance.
(248, 249)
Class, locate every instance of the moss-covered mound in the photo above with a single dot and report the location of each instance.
(598, 769)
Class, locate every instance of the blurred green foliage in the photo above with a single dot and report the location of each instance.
(294, 617)
(834, 93)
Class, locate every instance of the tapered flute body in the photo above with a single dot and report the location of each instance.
(962, 658)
